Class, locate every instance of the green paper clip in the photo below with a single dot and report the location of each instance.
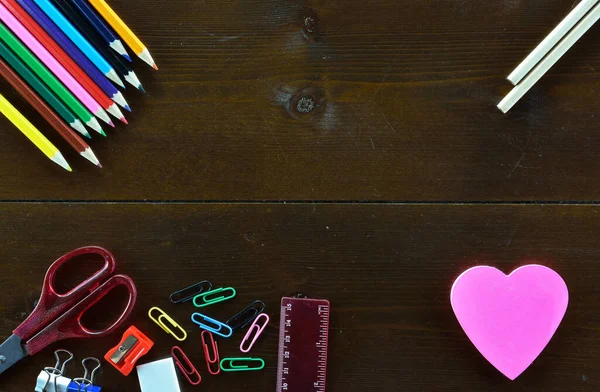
(231, 365)
(206, 300)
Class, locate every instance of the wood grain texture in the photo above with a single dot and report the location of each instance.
(403, 96)
(387, 271)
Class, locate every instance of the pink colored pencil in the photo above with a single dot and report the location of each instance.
(61, 73)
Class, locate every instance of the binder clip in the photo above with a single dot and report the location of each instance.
(86, 383)
(132, 346)
(53, 379)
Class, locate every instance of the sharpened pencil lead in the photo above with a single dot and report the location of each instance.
(79, 127)
(90, 156)
(95, 125)
(61, 161)
(101, 114)
(114, 110)
(112, 75)
(119, 99)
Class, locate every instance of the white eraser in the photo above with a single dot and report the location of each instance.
(158, 376)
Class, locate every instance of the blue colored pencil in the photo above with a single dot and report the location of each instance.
(60, 38)
(101, 27)
(75, 36)
(89, 33)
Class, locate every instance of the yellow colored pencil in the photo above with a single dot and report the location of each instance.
(32, 133)
(124, 31)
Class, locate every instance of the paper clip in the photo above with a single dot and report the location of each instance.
(219, 328)
(187, 370)
(160, 323)
(205, 302)
(86, 382)
(210, 359)
(232, 365)
(246, 316)
(255, 329)
(190, 292)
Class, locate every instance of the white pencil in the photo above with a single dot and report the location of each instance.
(551, 40)
(570, 39)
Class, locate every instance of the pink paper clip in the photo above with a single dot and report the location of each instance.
(188, 369)
(215, 356)
(256, 329)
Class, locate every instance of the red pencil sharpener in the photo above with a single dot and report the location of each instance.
(132, 347)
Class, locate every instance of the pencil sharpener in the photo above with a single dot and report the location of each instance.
(132, 347)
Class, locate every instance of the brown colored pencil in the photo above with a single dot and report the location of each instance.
(34, 100)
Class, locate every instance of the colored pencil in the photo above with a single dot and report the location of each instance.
(58, 53)
(41, 89)
(57, 68)
(73, 51)
(551, 40)
(70, 31)
(125, 32)
(52, 118)
(32, 133)
(556, 54)
(101, 27)
(94, 38)
(43, 73)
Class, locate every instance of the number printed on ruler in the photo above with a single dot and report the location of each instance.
(303, 338)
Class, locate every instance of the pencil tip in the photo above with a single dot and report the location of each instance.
(127, 108)
(61, 161)
(145, 55)
(118, 98)
(95, 125)
(111, 123)
(123, 119)
(99, 165)
(102, 132)
(155, 67)
(90, 156)
(127, 57)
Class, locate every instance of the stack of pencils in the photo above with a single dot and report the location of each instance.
(65, 58)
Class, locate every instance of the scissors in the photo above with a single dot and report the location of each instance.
(58, 316)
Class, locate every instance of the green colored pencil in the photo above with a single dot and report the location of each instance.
(42, 90)
(43, 73)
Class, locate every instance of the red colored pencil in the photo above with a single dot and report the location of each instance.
(49, 115)
(40, 34)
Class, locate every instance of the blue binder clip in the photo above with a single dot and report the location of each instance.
(217, 327)
(86, 383)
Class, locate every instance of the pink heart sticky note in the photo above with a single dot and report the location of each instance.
(510, 318)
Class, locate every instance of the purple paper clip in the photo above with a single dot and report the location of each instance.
(256, 329)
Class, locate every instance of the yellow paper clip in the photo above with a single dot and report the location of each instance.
(173, 323)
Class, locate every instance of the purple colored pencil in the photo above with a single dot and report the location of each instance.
(73, 51)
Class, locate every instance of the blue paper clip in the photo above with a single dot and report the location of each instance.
(219, 328)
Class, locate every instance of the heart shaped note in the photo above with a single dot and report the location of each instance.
(510, 318)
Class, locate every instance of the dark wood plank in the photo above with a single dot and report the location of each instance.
(386, 269)
(405, 96)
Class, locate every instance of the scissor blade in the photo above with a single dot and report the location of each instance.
(11, 351)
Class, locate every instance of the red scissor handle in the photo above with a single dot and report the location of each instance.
(69, 324)
(51, 304)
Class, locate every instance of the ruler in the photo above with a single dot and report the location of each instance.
(303, 337)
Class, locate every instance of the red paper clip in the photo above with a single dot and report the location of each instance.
(207, 355)
(255, 329)
(187, 370)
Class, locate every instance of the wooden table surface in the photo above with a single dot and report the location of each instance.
(346, 149)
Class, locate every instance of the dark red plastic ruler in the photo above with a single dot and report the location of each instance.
(303, 337)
